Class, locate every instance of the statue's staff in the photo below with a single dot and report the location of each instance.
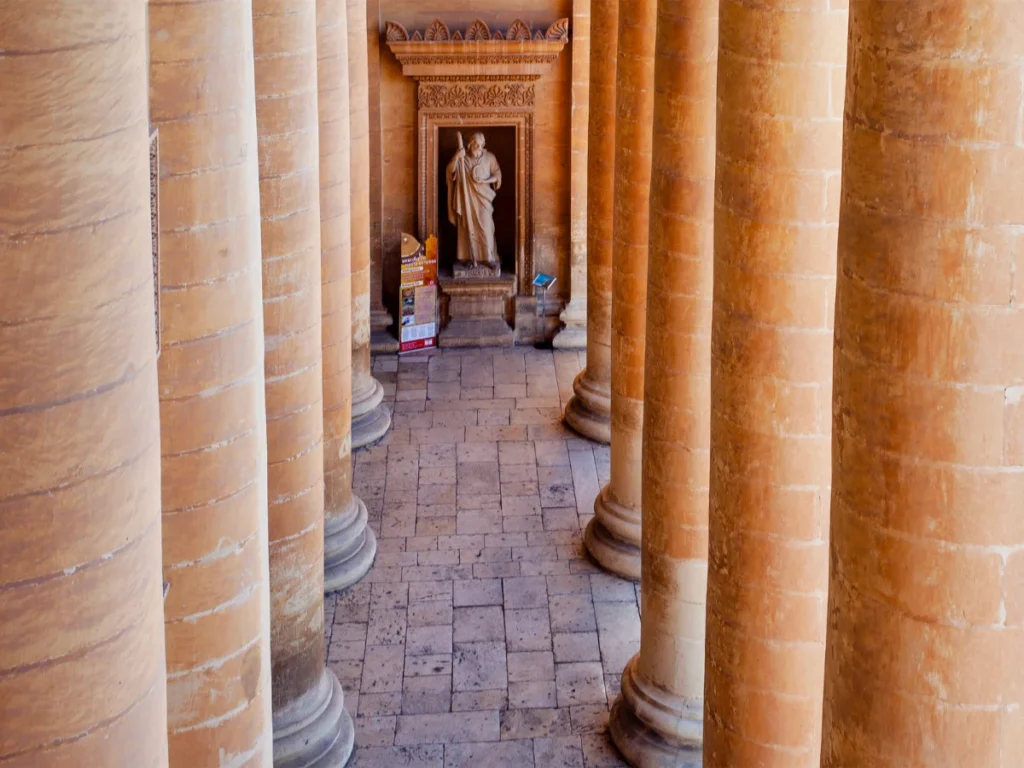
(462, 206)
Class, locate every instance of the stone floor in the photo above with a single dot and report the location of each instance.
(482, 636)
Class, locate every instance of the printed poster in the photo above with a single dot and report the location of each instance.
(418, 321)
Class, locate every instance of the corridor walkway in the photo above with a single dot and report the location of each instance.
(482, 636)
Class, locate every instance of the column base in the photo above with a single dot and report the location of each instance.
(653, 728)
(613, 536)
(316, 732)
(589, 412)
(349, 547)
(371, 419)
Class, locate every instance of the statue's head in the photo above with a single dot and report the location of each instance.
(476, 144)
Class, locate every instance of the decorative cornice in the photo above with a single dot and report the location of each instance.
(519, 53)
(478, 31)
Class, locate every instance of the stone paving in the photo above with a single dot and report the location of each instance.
(483, 636)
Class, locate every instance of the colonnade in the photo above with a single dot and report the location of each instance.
(216, 419)
(823, 503)
(805, 333)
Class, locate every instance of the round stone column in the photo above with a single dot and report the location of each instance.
(613, 536)
(658, 719)
(573, 334)
(82, 676)
(371, 419)
(311, 727)
(590, 409)
(349, 543)
(212, 417)
(780, 97)
(925, 651)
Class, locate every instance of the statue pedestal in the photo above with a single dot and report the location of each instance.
(479, 272)
(477, 310)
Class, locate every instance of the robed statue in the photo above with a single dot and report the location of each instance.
(473, 181)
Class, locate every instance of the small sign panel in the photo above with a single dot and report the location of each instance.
(544, 281)
(418, 318)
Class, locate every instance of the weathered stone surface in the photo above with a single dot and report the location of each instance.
(370, 419)
(213, 422)
(778, 143)
(349, 543)
(924, 651)
(80, 581)
(574, 316)
(658, 721)
(589, 411)
(310, 725)
(613, 536)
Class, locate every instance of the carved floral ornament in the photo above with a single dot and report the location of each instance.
(478, 31)
(476, 95)
(478, 52)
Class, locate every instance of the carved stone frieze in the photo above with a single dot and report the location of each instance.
(454, 95)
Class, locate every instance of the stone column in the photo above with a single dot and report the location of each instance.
(212, 416)
(380, 318)
(311, 727)
(370, 417)
(349, 544)
(658, 719)
(82, 678)
(613, 536)
(574, 317)
(780, 99)
(589, 411)
(925, 650)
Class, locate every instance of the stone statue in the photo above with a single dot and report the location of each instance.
(473, 181)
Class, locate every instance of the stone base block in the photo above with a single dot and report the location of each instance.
(382, 342)
(465, 271)
(476, 333)
(316, 731)
(571, 337)
(536, 318)
(349, 547)
(477, 312)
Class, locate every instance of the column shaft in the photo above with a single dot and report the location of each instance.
(658, 721)
(82, 678)
(311, 727)
(574, 316)
(613, 536)
(925, 651)
(349, 544)
(780, 95)
(212, 416)
(370, 417)
(381, 341)
(589, 410)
